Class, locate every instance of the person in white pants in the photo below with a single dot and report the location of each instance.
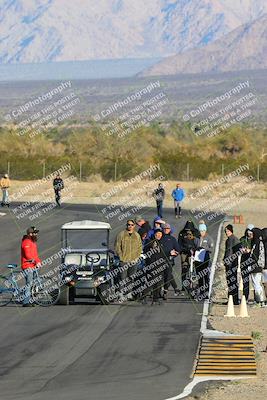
(258, 255)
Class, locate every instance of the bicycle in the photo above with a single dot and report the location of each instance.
(45, 290)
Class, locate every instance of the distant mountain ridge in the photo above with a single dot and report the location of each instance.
(62, 30)
(245, 48)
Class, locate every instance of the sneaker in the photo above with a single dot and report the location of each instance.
(176, 216)
(263, 304)
(180, 216)
(176, 292)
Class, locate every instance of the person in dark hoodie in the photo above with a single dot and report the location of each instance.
(246, 260)
(258, 255)
(159, 195)
(188, 240)
(142, 224)
(156, 263)
(171, 249)
(264, 272)
(230, 259)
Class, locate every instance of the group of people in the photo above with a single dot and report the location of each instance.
(178, 195)
(153, 250)
(5, 184)
(250, 252)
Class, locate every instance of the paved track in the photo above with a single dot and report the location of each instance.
(88, 351)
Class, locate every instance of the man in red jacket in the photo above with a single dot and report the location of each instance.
(29, 261)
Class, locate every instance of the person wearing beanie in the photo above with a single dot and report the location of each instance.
(206, 246)
(230, 259)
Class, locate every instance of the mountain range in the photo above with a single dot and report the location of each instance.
(34, 31)
(245, 48)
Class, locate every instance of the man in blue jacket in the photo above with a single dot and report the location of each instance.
(178, 195)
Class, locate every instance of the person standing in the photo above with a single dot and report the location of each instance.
(142, 224)
(258, 255)
(264, 272)
(157, 224)
(128, 247)
(188, 240)
(178, 196)
(206, 246)
(156, 264)
(171, 250)
(230, 259)
(5, 185)
(246, 263)
(29, 261)
(159, 195)
(58, 185)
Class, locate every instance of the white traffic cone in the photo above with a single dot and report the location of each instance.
(243, 308)
(230, 307)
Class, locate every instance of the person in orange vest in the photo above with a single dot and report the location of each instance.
(29, 262)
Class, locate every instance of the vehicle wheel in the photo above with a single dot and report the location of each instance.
(46, 292)
(64, 297)
(6, 292)
(100, 294)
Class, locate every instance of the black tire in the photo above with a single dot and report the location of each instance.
(100, 296)
(64, 298)
(46, 292)
(6, 293)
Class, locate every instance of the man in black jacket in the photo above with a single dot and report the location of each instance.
(159, 195)
(230, 259)
(58, 185)
(171, 249)
(188, 240)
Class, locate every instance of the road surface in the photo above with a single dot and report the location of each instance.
(89, 351)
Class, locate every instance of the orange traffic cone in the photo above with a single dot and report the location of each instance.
(230, 307)
(241, 219)
(236, 219)
(243, 308)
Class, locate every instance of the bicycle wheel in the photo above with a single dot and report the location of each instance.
(6, 291)
(45, 291)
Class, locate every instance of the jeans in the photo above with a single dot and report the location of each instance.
(58, 196)
(127, 277)
(177, 207)
(29, 275)
(5, 196)
(159, 208)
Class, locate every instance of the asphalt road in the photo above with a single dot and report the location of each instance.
(89, 351)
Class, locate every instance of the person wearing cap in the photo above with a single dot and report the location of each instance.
(246, 262)
(128, 247)
(58, 185)
(171, 250)
(157, 224)
(206, 246)
(29, 261)
(144, 226)
(159, 195)
(5, 185)
(178, 196)
(230, 259)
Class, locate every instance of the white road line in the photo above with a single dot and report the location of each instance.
(2, 214)
(203, 328)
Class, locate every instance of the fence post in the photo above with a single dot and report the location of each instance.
(8, 168)
(187, 171)
(222, 170)
(80, 171)
(258, 172)
(44, 169)
(115, 171)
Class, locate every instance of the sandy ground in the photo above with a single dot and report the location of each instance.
(254, 211)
